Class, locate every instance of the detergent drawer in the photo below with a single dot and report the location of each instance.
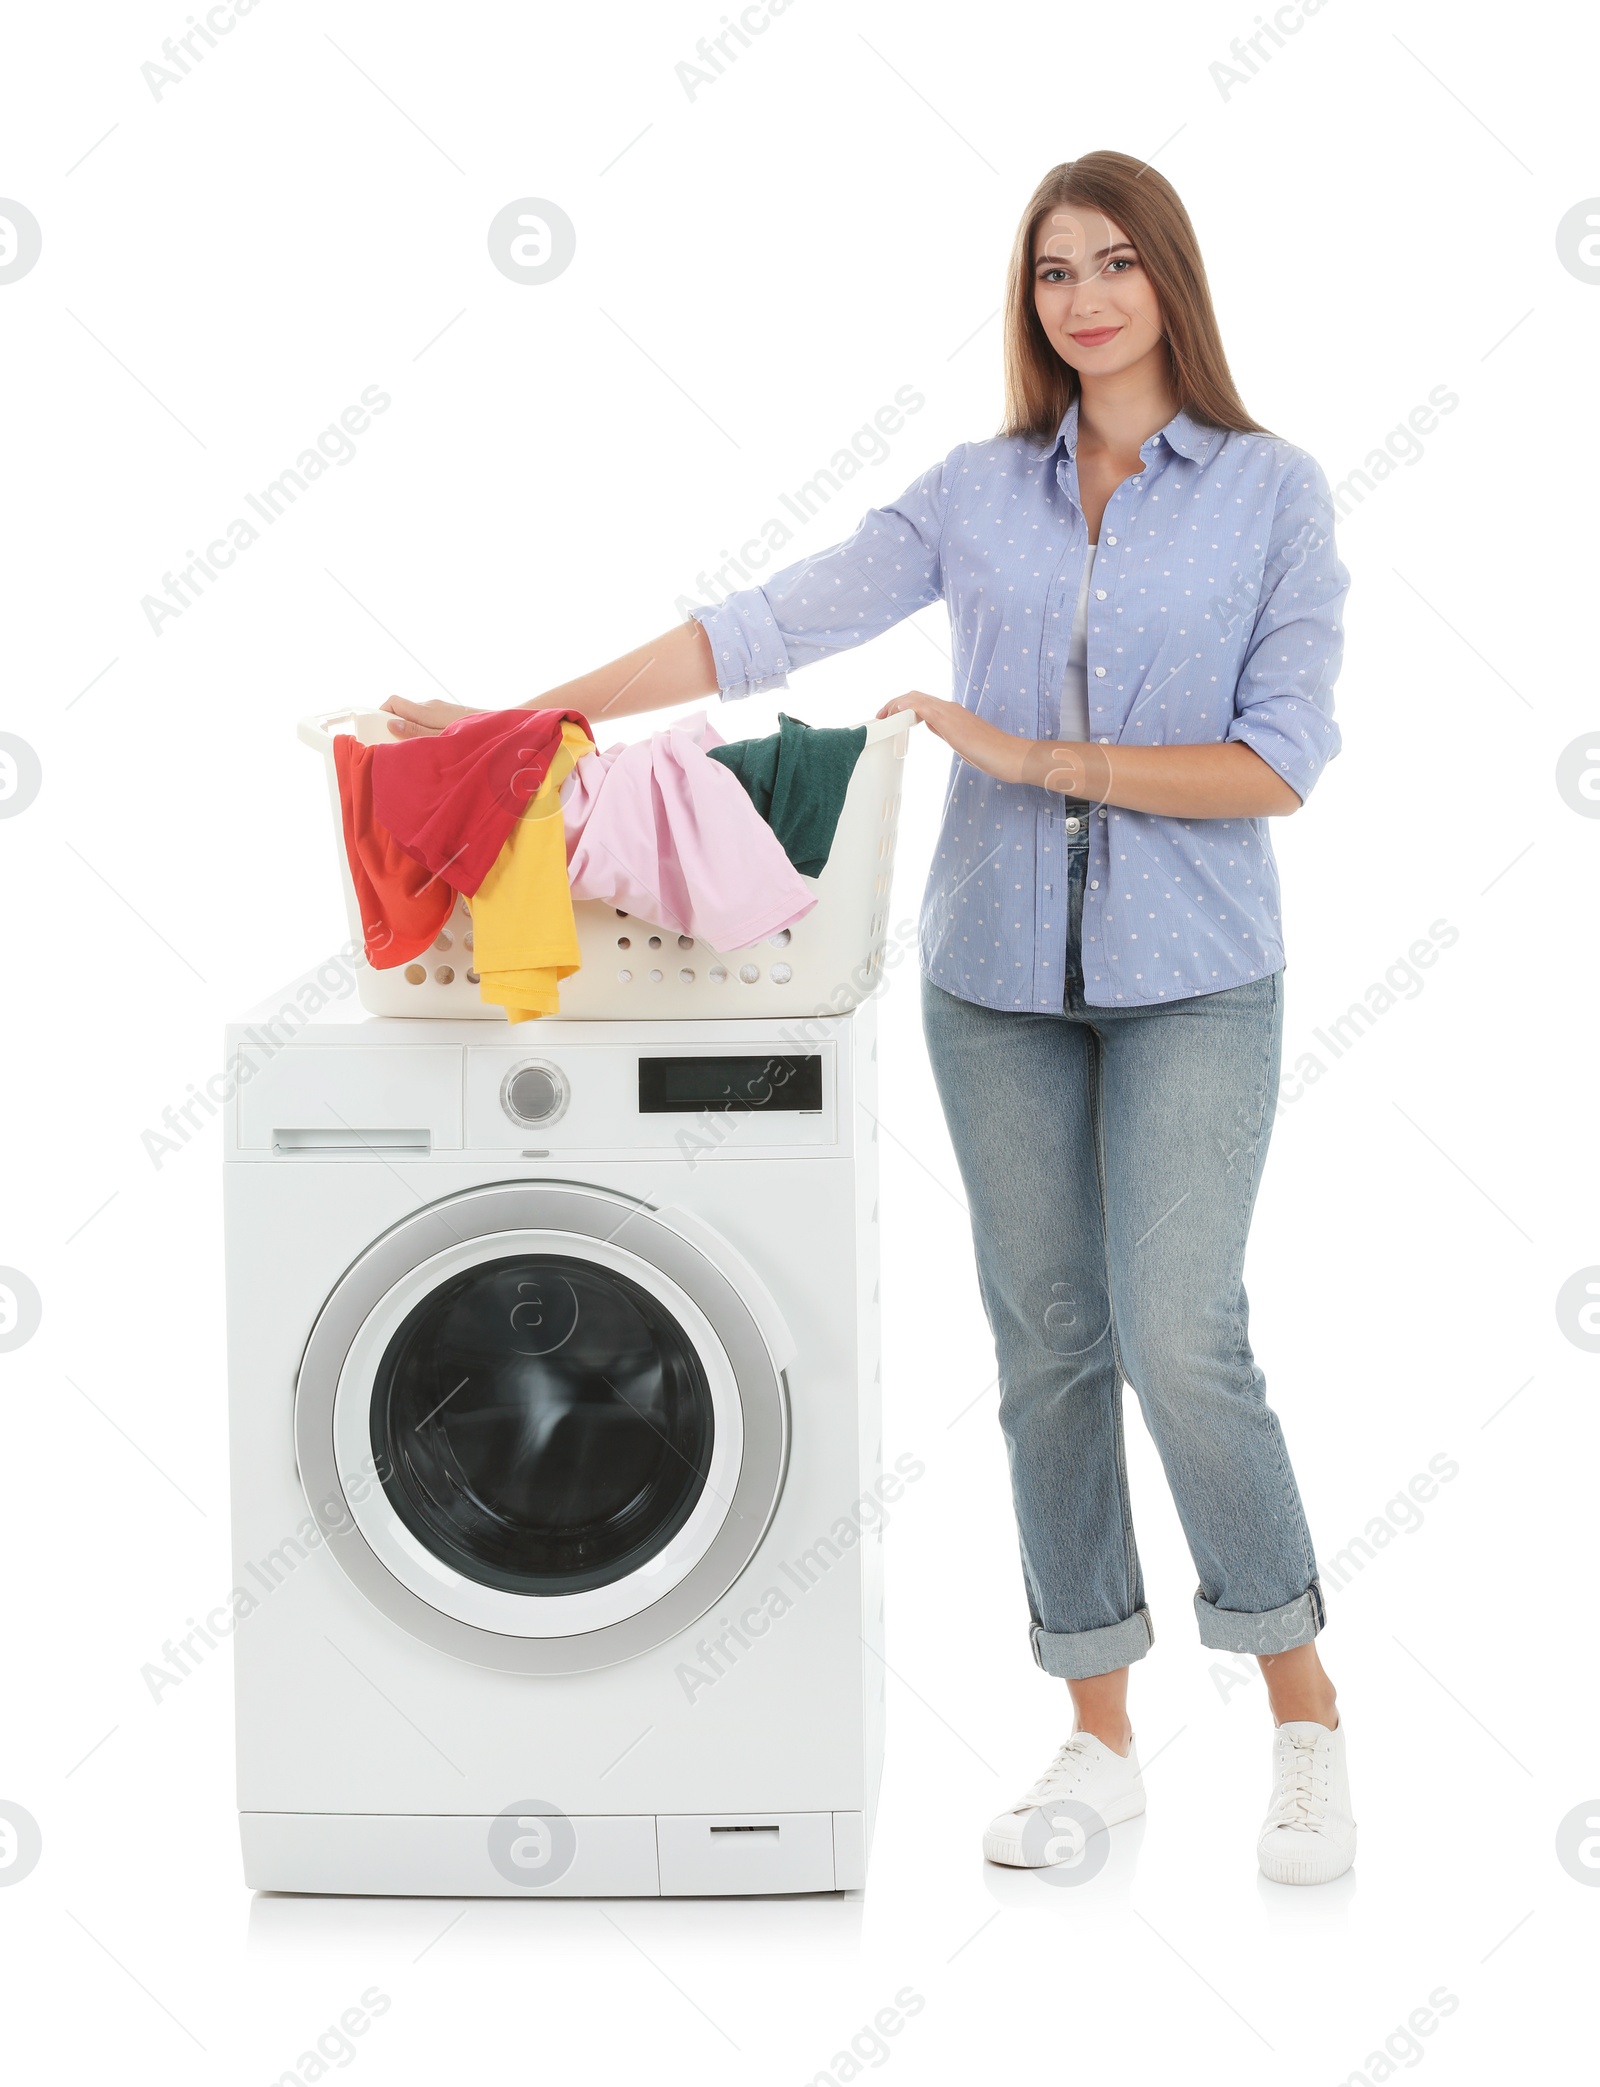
(320, 1103)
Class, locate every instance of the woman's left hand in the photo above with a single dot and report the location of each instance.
(985, 746)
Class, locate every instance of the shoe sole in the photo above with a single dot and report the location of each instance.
(1007, 1848)
(1316, 1866)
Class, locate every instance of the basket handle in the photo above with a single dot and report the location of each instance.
(890, 727)
(314, 731)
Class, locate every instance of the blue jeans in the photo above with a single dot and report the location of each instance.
(1111, 1157)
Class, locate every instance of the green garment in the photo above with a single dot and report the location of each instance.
(796, 778)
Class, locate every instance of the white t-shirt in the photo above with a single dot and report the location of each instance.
(1075, 683)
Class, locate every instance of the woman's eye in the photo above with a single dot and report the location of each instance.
(1118, 265)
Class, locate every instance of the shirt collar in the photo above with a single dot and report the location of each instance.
(1188, 436)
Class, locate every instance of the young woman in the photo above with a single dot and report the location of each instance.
(1145, 604)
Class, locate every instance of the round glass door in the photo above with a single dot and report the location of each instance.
(537, 1438)
(540, 1426)
(542, 1423)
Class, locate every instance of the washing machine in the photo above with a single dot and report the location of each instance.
(558, 1489)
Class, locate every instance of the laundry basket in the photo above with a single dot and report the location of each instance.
(825, 964)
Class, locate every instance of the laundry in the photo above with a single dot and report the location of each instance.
(519, 812)
(797, 778)
(451, 800)
(524, 936)
(403, 904)
(656, 829)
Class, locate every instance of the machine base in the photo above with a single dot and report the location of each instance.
(605, 1856)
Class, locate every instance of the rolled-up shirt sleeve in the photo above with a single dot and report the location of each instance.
(887, 570)
(1283, 704)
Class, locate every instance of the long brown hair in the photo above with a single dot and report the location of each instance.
(1146, 209)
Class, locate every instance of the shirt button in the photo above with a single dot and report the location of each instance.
(1099, 594)
(1100, 673)
(1072, 826)
(1111, 539)
(1094, 883)
(1105, 742)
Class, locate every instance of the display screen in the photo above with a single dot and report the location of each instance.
(765, 1082)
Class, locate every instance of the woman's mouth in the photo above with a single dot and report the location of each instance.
(1093, 337)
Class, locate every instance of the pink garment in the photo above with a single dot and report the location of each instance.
(661, 831)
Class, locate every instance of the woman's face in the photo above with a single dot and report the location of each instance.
(1096, 304)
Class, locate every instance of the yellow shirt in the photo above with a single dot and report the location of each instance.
(524, 937)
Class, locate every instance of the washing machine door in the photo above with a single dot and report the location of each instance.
(544, 1427)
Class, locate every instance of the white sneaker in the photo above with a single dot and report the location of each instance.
(1086, 1773)
(1309, 1833)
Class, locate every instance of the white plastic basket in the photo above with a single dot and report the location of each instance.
(826, 963)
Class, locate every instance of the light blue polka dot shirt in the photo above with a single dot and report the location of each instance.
(1215, 614)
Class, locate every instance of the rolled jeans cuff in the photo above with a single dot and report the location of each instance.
(1078, 1655)
(1263, 1631)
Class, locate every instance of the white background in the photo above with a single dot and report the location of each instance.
(759, 267)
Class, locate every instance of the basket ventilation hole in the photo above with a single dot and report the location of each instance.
(416, 974)
(686, 942)
(749, 973)
(780, 940)
(445, 975)
(443, 942)
(624, 942)
(780, 974)
(472, 978)
(624, 977)
(655, 978)
(718, 974)
(655, 941)
(686, 977)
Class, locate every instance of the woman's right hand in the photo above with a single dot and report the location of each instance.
(410, 720)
